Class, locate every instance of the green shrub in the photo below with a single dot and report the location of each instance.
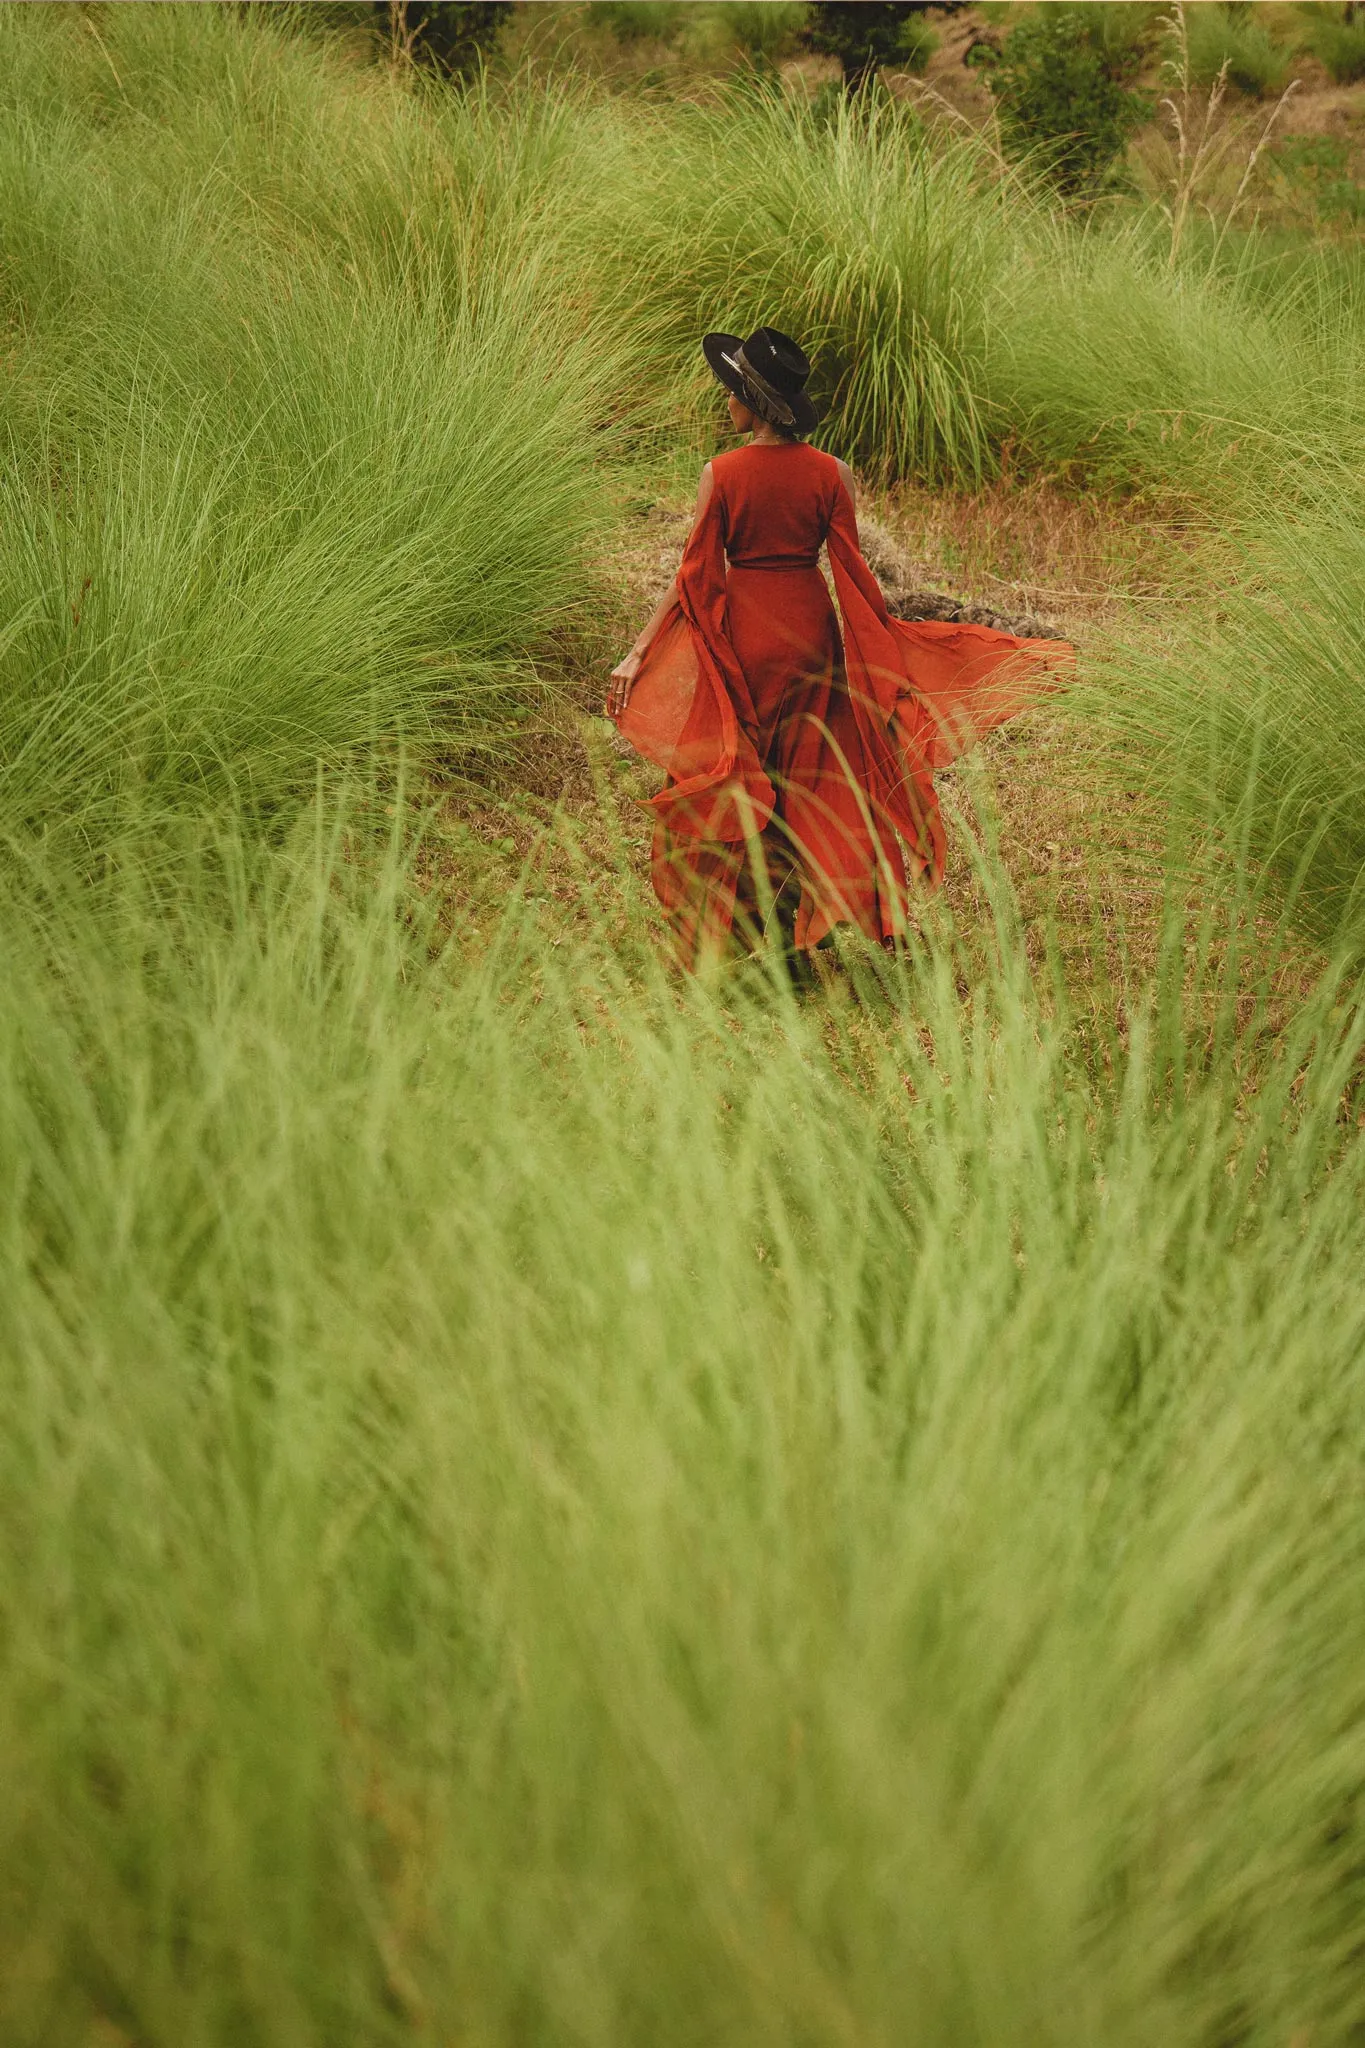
(867, 34)
(1310, 154)
(1343, 199)
(1062, 89)
(762, 28)
(271, 481)
(1338, 44)
(847, 229)
(1254, 731)
(458, 36)
(1256, 63)
(1115, 368)
(633, 21)
(217, 597)
(947, 310)
(1317, 168)
(918, 43)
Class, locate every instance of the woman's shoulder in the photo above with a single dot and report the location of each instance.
(845, 476)
(817, 458)
(757, 455)
(828, 470)
(722, 465)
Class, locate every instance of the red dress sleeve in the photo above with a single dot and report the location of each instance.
(900, 787)
(954, 682)
(922, 691)
(690, 711)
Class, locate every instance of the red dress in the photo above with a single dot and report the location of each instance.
(795, 756)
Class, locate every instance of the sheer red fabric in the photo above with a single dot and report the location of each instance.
(796, 757)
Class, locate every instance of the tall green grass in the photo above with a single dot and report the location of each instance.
(848, 231)
(537, 1503)
(1249, 722)
(1339, 44)
(291, 461)
(956, 323)
(537, 1510)
(1256, 63)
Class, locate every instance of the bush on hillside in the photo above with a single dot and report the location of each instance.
(762, 28)
(636, 21)
(1063, 90)
(1314, 171)
(455, 35)
(1253, 728)
(866, 34)
(1256, 64)
(847, 230)
(918, 43)
(1338, 43)
(283, 525)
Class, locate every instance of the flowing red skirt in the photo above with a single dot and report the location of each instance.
(820, 836)
(799, 753)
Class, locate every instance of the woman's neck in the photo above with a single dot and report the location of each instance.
(765, 437)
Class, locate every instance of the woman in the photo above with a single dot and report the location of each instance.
(799, 763)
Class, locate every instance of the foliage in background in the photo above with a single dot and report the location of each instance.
(1317, 169)
(456, 35)
(762, 29)
(766, 29)
(1336, 36)
(1218, 35)
(1252, 728)
(1063, 87)
(917, 45)
(271, 484)
(865, 35)
(1209, 146)
(635, 20)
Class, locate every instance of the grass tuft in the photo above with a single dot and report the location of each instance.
(1219, 35)
(683, 1519)
(543, 1503)
(284, 474)
(1250, 723)
(1338, 44)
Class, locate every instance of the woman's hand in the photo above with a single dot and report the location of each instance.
(622, 683)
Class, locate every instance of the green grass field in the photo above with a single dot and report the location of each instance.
(544, 1502)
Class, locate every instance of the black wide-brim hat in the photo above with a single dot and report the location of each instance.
(767, 373)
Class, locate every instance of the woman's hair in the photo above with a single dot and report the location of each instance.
(762, 410)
